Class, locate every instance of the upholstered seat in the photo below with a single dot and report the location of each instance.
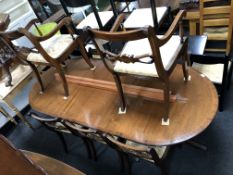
(213, 71)
(139, 47)
(143, 17)
(54, 46)
(160, 150)
(91, 21)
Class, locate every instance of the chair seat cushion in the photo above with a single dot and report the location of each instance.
(160, 150)
(214, 71)
(140, 47)
(53, 46)
(91, 21)
(136, 20)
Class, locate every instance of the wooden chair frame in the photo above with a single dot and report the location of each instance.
(217, 15)
(156, 43)
(87, 133)
(77, 42)
(147, 153)
(53, 123)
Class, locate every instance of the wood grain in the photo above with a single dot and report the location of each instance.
(136, 91)
(95, 108)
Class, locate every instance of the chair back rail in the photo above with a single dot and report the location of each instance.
(214, 16)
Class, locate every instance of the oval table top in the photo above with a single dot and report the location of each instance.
(195, 108)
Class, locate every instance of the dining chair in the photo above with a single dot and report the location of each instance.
(86, 7)
(216, 21)
(52, 49)
(154, 154)
(14, 162)
(120, 6)
(89, 134)
(57, 125)
(144, 54)
(153, 16)
(20, 162)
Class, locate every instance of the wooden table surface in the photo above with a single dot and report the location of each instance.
(50, 165)
(192, 113)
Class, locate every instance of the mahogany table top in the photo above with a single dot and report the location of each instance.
(95, 108)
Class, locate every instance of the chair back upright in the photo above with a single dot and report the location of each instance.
(216, 21)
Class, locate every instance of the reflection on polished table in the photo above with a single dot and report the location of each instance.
(190, 114)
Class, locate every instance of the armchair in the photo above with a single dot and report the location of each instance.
(144, 54)
(52, 49)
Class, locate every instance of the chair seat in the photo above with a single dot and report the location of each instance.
(140, 47)
(143, 17)
(91, 21)
(53, 46)
(214, 71)
(160, 150)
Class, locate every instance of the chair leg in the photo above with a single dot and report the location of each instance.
(223, 87)
(127, 163)
(92, 150)
(163, 168)
(197, 145)
(121, 93)
(185, 66)
(18, 113)
(38, 77)
(7, 115)
(87, 145)
(63, 141)
(122, 161)
(85, 55)
(63, 79)
(165, 120)
(230, 75)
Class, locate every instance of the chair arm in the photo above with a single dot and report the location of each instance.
(118, 22)
(64, 22)
(32, 22)
(172, 28)
(11, 35)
